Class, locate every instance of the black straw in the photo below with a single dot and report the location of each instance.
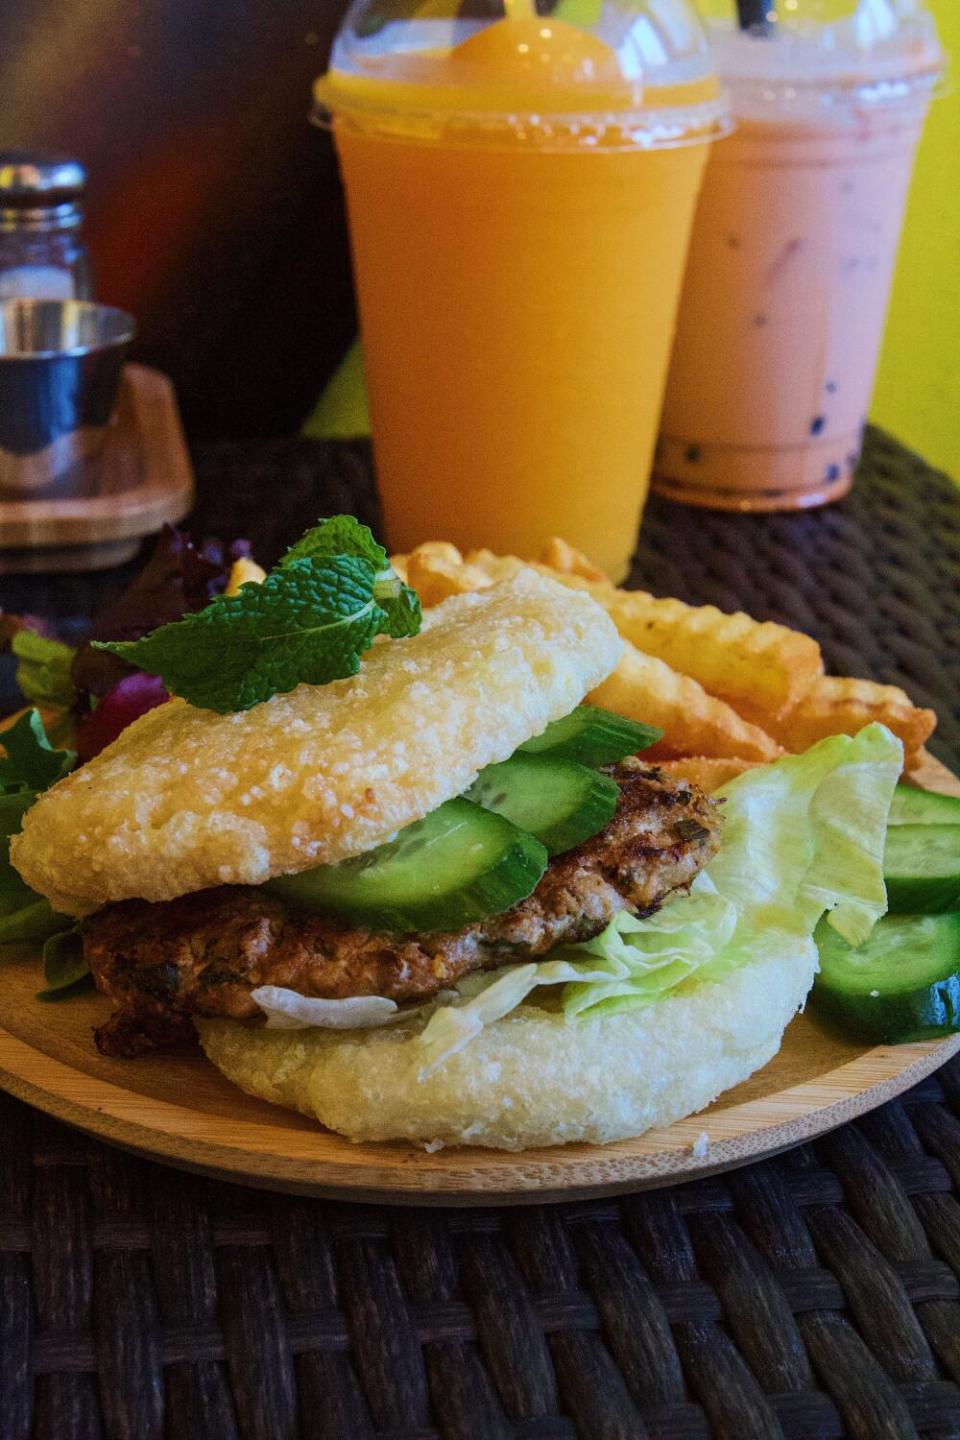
(755, 15)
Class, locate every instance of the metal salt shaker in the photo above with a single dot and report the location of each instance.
(42, 255)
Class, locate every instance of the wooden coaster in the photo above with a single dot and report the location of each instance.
(143, 479)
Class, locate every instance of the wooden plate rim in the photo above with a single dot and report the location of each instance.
(601, 1169)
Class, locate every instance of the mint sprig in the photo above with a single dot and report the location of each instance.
(309, 622)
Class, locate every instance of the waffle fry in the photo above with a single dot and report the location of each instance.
(839, 705)
(721, 686)
(563, 558)
(436, 577)
(244, 572)
(706, 771)
(694, 723)
(762, 668)
(499, 567)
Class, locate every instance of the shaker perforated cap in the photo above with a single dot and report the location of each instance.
(642, 65)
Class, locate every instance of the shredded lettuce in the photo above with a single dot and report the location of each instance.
(287, 1010)
(486, 998)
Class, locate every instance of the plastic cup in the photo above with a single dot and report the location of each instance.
(793, 253)
(520, 192)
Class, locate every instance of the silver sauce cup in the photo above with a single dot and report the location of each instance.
(60, 364)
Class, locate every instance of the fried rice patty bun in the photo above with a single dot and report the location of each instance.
(532, 1078)
(187, 799)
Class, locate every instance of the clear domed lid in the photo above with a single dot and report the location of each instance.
(862, 51)
(542, 60)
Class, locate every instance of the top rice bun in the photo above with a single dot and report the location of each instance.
(532, 1078)
(186, 799)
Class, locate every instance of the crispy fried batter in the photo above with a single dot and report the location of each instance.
(203, 953)
(187, 800)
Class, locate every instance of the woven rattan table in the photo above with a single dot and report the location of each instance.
(812, 1296)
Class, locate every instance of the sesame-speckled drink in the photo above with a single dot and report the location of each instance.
(791, 263)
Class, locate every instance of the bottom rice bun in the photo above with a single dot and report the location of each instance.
(531, 1079)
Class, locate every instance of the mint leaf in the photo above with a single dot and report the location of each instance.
(43, 669)
(309, 622)
(31, 762)
(344, 535)
(340, 535)
(400, 605)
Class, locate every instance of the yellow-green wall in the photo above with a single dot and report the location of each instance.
(918, 387)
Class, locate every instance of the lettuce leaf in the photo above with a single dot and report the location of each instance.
(806, 835)
(288, 1010)
(802, 837)
(28, 766)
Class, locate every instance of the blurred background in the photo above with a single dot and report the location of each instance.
(214, 210)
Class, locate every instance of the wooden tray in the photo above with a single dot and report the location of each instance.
(143, 479)
(178, 1108)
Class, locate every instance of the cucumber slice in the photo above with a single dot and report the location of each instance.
(921, 865)
(902, 985)
(592, 737)
(459, 864)
(557, 801)
(911, 806)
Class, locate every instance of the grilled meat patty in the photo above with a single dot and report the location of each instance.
(203, 953)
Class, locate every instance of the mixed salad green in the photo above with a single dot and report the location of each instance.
(31, 765)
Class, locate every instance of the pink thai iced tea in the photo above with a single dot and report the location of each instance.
(788, 279)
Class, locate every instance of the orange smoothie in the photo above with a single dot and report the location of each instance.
(519, 242)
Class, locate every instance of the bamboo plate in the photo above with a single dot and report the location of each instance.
(178, 1109)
